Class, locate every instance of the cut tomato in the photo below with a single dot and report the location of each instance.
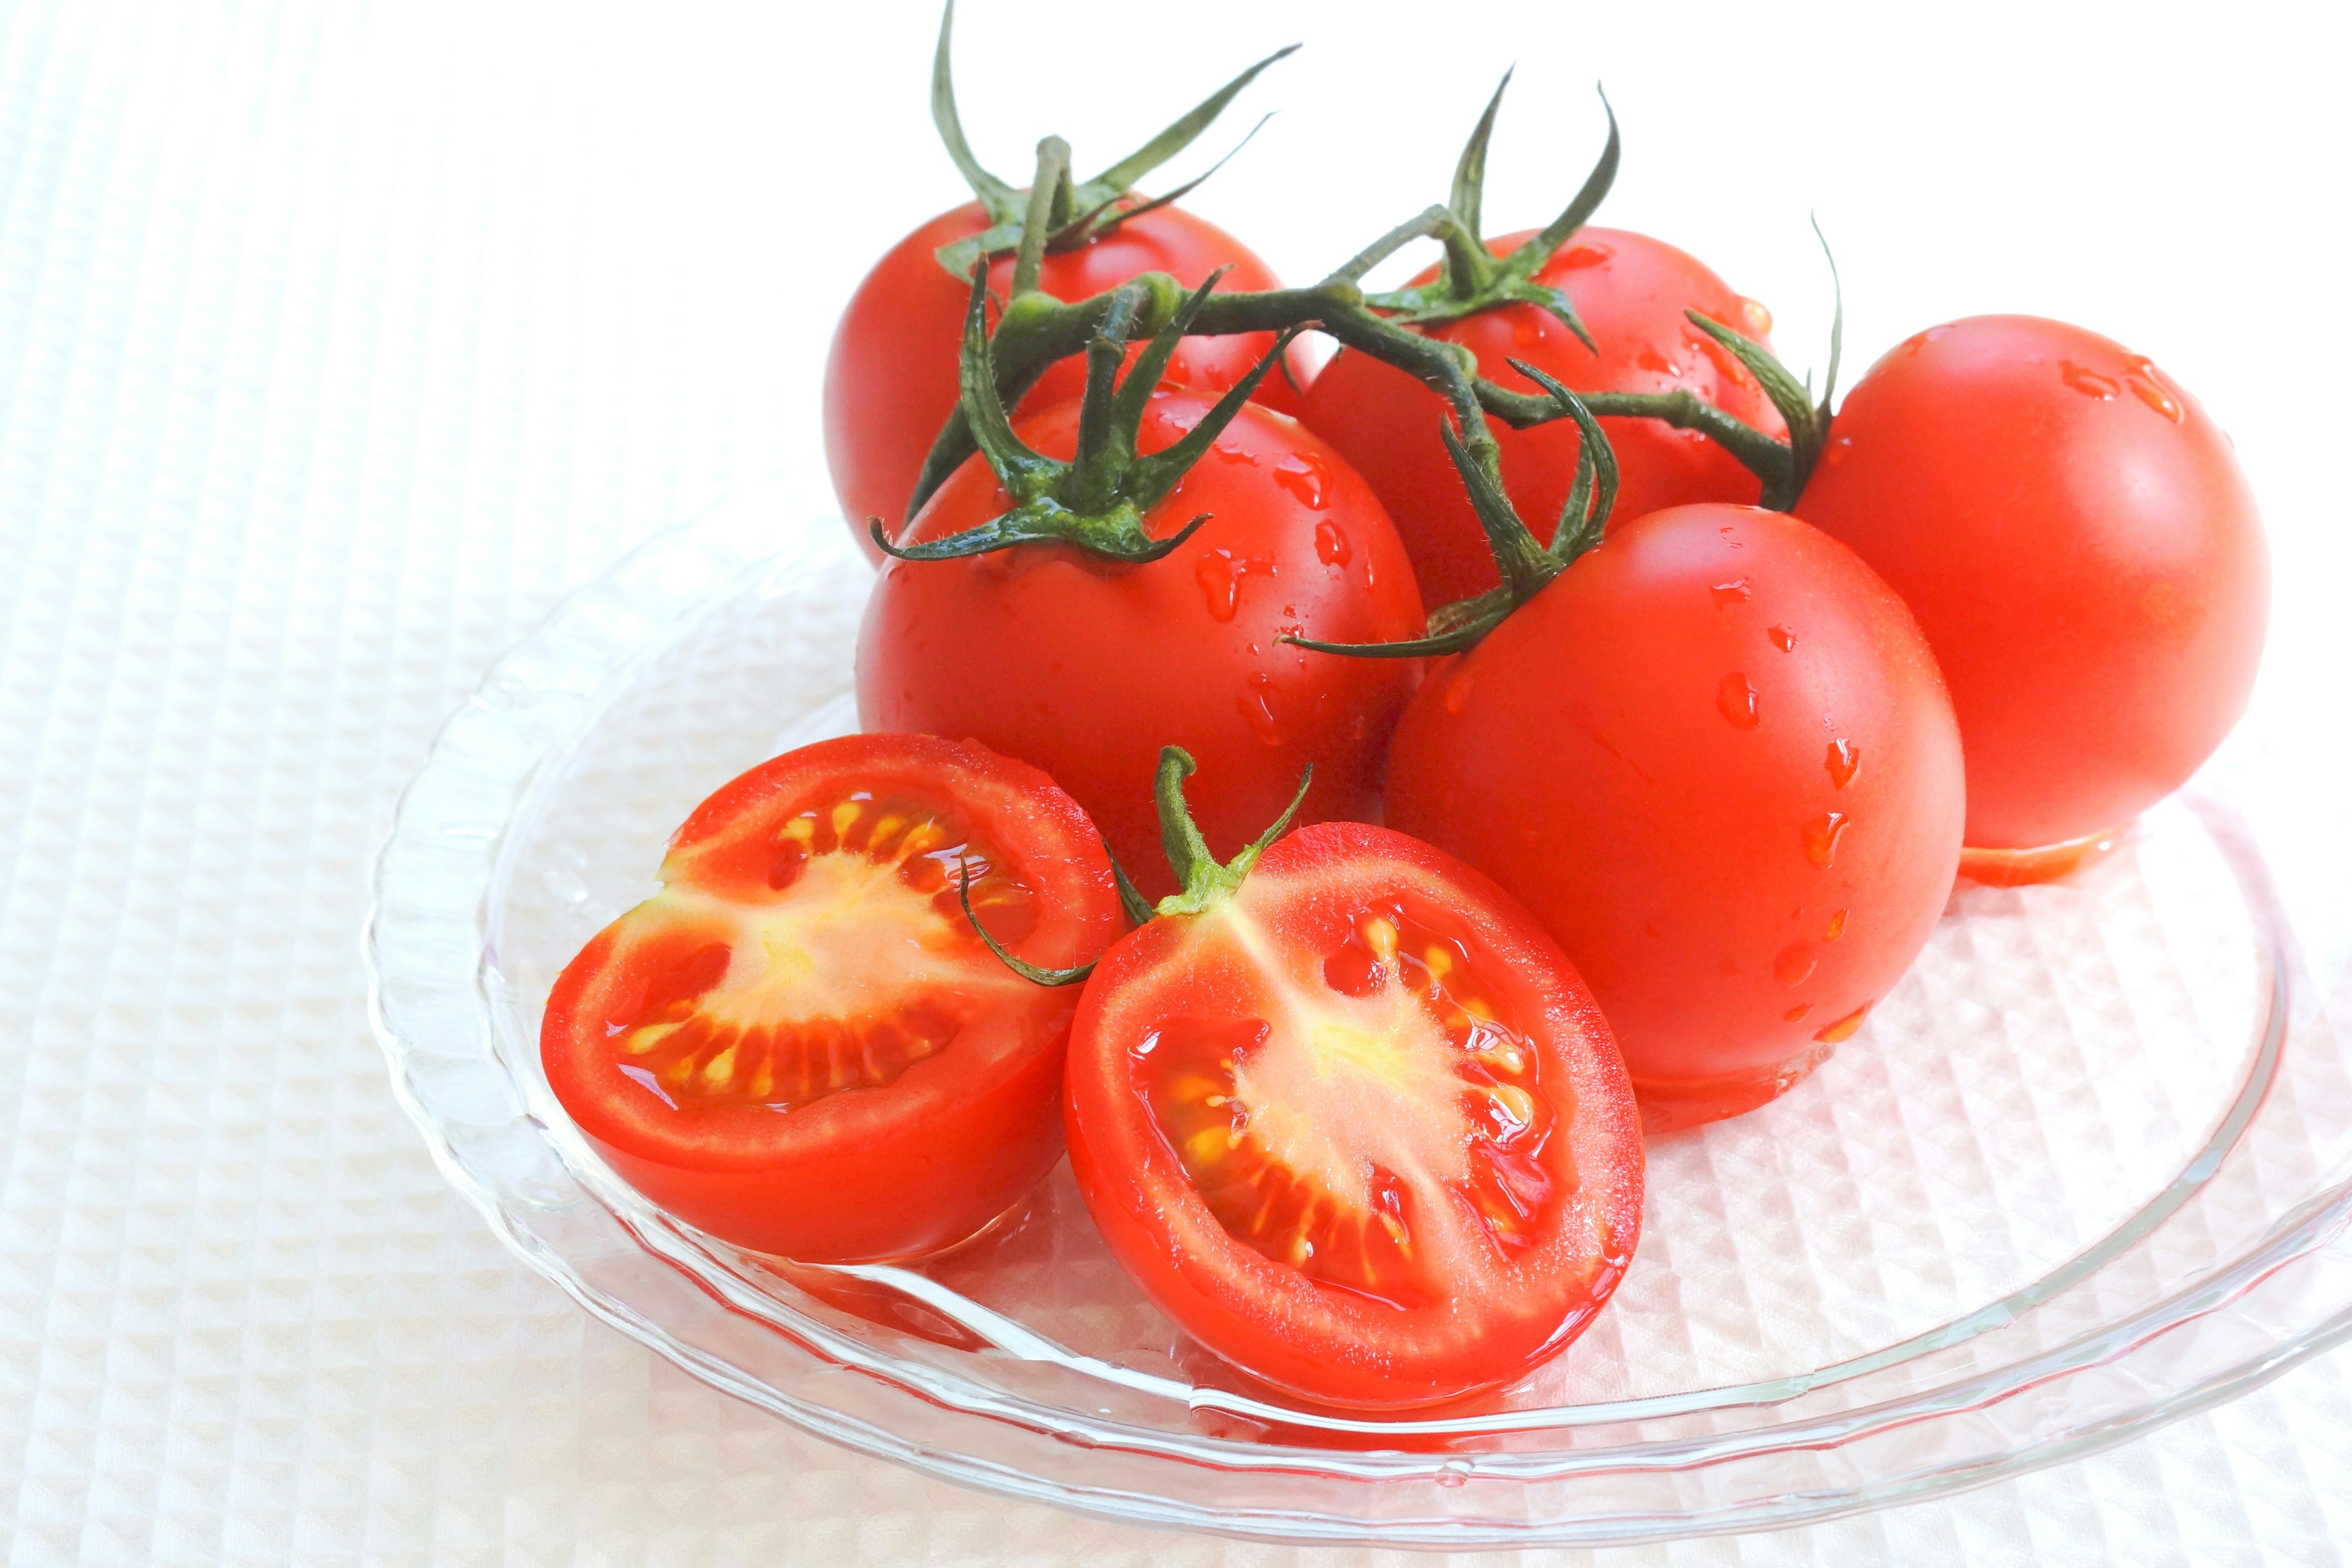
(1356, 1125)
(800, 1044)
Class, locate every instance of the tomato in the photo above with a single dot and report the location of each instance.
(1358, 1127)
(799, 1044)
(1086, 667)
(1630, 291)
(890, 379)
(2075, 534)
(1714, 759)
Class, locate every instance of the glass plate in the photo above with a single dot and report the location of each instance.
(2085, 1170)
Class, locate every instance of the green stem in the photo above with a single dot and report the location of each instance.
(1052, 187)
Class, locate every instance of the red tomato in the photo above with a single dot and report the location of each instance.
(1714, 757)
(1088, 668)
(1631, 291)
(799, 1044)
(890, 379)
(2080, 546)
(1356, 1128)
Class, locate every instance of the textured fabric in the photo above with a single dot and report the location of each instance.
(336, 341)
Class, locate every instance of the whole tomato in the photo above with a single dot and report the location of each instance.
(890, 378)
(1714, 759)
(1086, 667)
(2078, 542)
(1631, 292)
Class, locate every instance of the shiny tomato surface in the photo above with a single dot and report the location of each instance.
(2076, 538)
(1631, 291)
(1714, 759)
(1088, 668)
(890, 379)
(1359, 1127)
(799, 1044)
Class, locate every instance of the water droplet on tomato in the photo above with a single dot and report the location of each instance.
(2087, 382)
(1330, 545)
(1838, 448)
(1843, 1030)
(1576, 258)
(1783, 638)
(1457, 694)
(1737, 701)
(2139, 373)
(1843, 758)
(1650, 359)
(1235, 455)
(1836, 927)
(1759, 320)
(1821, 837)
(1528, 330)
(1796, 964)
(1796, 1015)
(1732, 592)
(1303, 476)
(1257, 707)
(1220, 574)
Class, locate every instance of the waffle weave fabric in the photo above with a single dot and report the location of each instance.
(336, 343)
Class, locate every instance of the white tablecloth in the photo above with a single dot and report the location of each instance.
(336, 341)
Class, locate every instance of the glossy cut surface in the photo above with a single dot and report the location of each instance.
(1086, 667)
(2076, 538)
(890, 378)
(799, 1044)
(1631, 291)
(1716, 760)
(1359, 1129)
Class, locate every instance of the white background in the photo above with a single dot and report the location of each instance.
(337, 340)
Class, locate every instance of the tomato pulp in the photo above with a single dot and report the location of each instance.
(2080, 546)
(1359, 1127)
(799, 1044)
(890, 378)
(1086, 667)
(1631, 292)
(1714, 759)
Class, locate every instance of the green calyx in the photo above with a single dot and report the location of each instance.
(1526, 567)
(1073, 211)
(1473, 279)
(1206, 881)
(1098, 500)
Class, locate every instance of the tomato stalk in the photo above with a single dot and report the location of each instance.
(1203, 879)
(1075, 211)
(1096, 502)
(1526, 566)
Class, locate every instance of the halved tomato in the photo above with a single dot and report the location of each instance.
(800, 1044)
(1356, 1125)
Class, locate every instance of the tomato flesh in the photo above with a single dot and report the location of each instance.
(1359, 1128)
(800, 1044)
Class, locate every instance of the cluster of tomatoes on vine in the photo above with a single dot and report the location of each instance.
(1684, 699)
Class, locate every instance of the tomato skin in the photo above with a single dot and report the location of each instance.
(864, 1172)
(890, 377)
(1631, 291)
(1646, 755)
(2076, 538)
(1332, 1347)
(1088, 668)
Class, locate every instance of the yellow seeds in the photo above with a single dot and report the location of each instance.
(1207, 1146)
(1393, 1225)
(1502, 1055)
(799, 830)
(641, 1040)
(843, 815)
(1301, 1249)
(883, 832)
(922, 839)
(763, 1082)
(1517, 1103)
(1478, 1009)
(1215, 1101)
(1381, 937)
(1439, 962)
(720, 1067)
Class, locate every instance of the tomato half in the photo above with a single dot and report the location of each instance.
(2080, 546)
(799, 1044)
(1086, 667)
(1714, 759)
(1359, 1127)
(1631, 292)
(890, 378)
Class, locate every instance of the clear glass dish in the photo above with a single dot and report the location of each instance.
(2086, 1170)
